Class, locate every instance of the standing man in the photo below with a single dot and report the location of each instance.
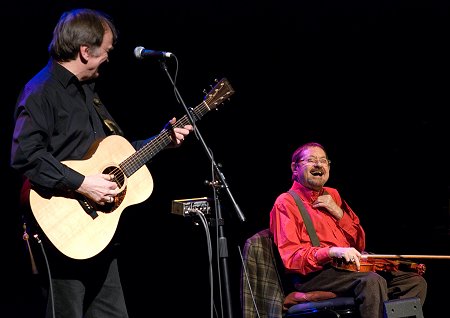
(58, 117)
(341, 237)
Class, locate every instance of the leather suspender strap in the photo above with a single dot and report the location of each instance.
(306, 218)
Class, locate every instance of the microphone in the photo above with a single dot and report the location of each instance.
(140, 53)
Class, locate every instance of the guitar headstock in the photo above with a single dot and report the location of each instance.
(218, 94)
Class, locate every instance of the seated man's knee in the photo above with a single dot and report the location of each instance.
(375, 283)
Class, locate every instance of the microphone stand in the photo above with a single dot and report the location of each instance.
(222, 184)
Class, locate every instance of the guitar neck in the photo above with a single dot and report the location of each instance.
(221, 92)
(161, 141)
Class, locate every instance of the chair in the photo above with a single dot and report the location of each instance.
(262, 292)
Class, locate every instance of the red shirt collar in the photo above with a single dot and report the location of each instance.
(306, 194)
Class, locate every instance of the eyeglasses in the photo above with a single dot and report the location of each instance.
(313, 161)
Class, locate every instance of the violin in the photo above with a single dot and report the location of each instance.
(386, 263)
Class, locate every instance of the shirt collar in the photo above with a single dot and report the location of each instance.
(306, 194)
(63, 75)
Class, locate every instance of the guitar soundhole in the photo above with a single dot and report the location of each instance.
(119, 177)
(120, 180)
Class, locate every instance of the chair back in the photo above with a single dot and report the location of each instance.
(261, 289)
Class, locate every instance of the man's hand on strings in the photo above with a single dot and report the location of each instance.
(178, 134)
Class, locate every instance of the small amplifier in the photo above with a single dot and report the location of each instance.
(186, 207)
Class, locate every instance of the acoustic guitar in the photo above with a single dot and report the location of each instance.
(80, 228)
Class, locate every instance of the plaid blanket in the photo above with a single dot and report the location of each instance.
(262, 295)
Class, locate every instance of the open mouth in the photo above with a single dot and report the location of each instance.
(317, 173)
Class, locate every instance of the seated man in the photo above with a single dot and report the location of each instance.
(341, 236)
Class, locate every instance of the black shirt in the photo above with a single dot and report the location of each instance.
(55, 120)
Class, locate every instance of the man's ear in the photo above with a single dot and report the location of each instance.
(84, 53)
(293, 166)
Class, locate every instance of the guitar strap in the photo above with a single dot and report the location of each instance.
(306, 218)
(109, 122)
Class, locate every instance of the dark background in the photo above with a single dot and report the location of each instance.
(369, 80)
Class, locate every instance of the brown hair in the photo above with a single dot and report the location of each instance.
(79, 27)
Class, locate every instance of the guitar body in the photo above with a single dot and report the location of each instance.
(77, 233)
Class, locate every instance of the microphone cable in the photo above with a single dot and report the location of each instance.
(49, 275)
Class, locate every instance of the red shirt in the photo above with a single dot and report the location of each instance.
(292, 238)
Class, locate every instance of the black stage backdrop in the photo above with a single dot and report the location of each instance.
(369, 80)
